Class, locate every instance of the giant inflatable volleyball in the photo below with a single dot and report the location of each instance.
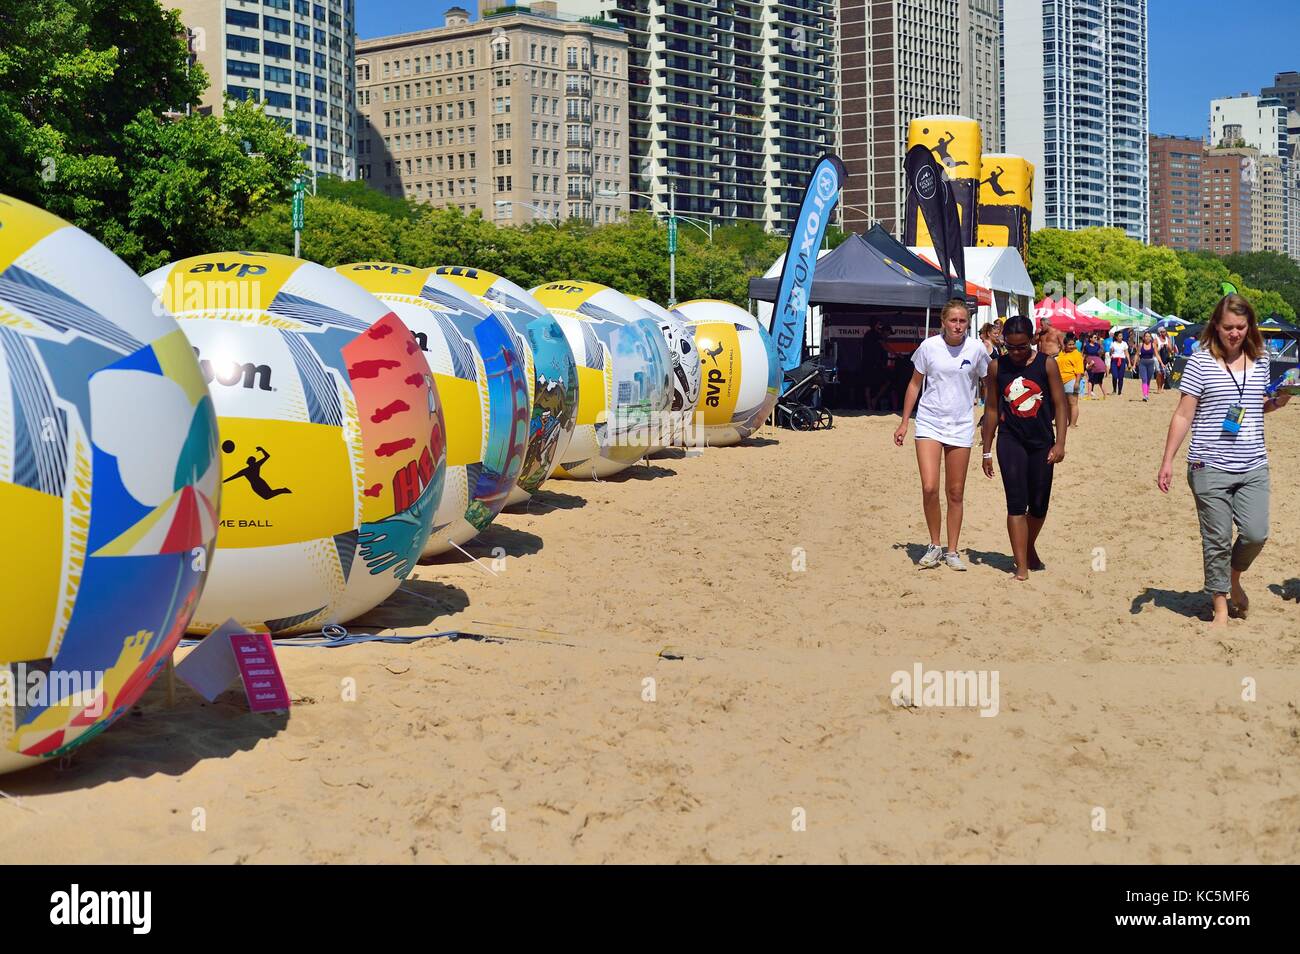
(482, 386)
(108, 485)
(332, 443)
(680, 339)
(624, 376)
(741, 377)
(548, 362)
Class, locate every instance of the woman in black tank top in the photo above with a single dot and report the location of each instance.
(1024, 400)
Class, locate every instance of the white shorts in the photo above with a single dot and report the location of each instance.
(952, 436)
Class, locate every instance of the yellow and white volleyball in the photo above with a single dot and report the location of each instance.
(482, 386)
(741, 377)
(332, 447)
(548, 365)
(109, 486)
(680, 339)
(624, 377)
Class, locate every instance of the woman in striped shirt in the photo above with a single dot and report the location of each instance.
(1223, 403)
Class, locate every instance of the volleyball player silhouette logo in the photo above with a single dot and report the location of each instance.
(1023, 397)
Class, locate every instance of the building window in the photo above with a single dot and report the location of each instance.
(241, 18)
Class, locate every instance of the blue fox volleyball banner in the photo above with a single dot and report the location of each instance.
(791, 312)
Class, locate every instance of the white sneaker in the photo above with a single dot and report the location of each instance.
(933, 557)
(953, 559)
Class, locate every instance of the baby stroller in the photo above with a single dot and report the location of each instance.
(800, 406)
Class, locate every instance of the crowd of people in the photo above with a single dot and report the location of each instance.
(1030, 383)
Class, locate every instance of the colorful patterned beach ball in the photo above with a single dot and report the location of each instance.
(109, 485)
(680, 339)
(548, 362)
(332, 448)
(624, 377)
(481, 382)
(741, 378)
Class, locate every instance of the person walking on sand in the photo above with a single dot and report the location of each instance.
(1070, 363)
(1165, 349)
(1223, 404)
(1049, 339)
(1149, 363)
(1118, 363)
(1094, 360)
(950, 365)
(1025, 408)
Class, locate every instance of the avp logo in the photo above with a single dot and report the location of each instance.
(390, 269)
(925, 183)
(241, 270)
(560, 286)
(232, 373)
(422, 339)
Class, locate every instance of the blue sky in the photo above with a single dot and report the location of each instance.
(1199, 49)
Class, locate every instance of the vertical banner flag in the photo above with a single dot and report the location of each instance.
(790, 311)
(934, 197)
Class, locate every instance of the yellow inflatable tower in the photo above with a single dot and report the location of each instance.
(1006, 199)
(955, 143)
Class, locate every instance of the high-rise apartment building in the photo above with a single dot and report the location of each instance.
(1075, 103)
(522, 115)
(1176, 168)
(1260, 123)
(981, 69)
(900, 59)
(1286, 89)
(293, 56)
(732, 102)
(1228, 187)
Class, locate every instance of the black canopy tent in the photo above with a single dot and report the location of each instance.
(859, 274)
(857, 285)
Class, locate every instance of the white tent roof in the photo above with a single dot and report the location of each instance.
(1093, 306)
(999, 268)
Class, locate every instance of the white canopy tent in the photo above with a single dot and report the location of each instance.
(1001, 270)
(764, 308)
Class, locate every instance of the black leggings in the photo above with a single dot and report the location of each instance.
(1026, 477)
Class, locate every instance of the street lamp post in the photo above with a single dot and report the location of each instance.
(707, 229)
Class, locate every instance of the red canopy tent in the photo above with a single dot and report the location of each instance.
(1066, 317)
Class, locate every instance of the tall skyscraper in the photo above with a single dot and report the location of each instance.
(900, 59)
(1260, 123)
(522, 115)
(732, 102)
(1228, 190)
(293, 56)
(1286, 87)
(1074, 81)
(1177, 165)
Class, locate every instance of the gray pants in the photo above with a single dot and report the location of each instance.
(1222, 499)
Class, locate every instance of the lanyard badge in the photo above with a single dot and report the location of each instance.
(1232, 420)
(1236, 414)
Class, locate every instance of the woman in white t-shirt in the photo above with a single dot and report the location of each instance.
(1119, 361)
(951, 367)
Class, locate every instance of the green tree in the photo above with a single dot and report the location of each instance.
(1271, 270)
(84, 89)
(334, 233)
